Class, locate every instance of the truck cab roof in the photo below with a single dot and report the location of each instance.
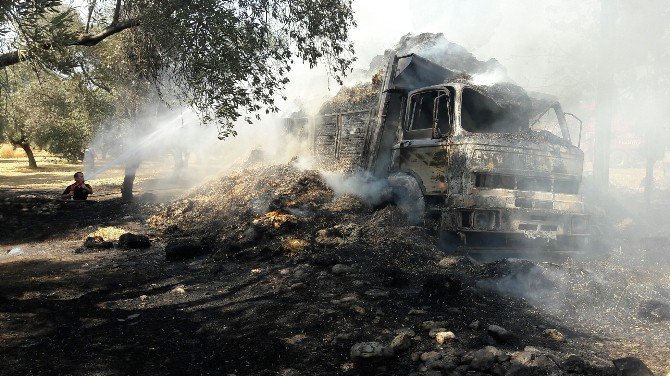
(415, 74)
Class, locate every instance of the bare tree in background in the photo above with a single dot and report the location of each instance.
(604, 95)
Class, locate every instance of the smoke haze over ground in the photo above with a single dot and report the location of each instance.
(560, 48)
(260, 261)
(624, 294)
(555, 47)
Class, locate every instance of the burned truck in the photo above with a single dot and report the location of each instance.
(495, 165)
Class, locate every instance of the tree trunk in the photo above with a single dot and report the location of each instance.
(29, 152)
(178, 162)
(649, 179)
(128, 181)
(604, 94)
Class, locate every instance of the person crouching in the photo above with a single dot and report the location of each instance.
(79, 190)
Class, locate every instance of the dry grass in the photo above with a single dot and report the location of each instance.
(8, 151)
(357, 98)
(154, 176)
(15, 174)
(54, 174)
(109, 233)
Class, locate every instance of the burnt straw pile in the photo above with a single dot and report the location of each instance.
(282, 211)
(345, 286)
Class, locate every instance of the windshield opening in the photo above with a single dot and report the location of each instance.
(548, 122)
(482, 114)
(431, 109)
(444, 116)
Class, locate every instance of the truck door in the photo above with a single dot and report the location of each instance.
(422, 151)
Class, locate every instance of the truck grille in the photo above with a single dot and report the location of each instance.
(526, 183)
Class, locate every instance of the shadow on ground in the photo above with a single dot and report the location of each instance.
(129, 312)
(39, 216)
(71, 318)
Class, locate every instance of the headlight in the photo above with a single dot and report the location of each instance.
(580, 225)
(485, 220)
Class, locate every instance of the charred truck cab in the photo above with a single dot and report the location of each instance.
(493, 179)
(493, 164)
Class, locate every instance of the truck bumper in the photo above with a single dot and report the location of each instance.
(515, 224)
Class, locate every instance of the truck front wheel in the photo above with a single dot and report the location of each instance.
(451, 242)
(407, 195)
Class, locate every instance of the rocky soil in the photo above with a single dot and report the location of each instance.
(269, 272)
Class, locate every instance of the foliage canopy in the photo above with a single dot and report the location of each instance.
(226, 58)
(55, 113)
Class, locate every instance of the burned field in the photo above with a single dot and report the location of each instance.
(273, 269)
(269, 271)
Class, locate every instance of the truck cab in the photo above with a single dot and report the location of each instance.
(498, 169)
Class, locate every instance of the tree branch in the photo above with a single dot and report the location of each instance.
(117, 12)
(91, 8)
(14, 57)
(93, 81)
(93, 39)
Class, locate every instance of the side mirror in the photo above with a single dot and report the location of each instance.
(581, 125)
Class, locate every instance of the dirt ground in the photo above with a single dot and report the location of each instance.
(293, 278)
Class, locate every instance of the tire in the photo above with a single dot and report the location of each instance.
(450, 242)
(407, 195)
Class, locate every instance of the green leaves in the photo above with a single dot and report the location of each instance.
(40, 31)
(55, 113)
(229, 59)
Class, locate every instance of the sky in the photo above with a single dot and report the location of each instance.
(535, 40)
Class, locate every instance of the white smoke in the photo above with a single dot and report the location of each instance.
(369, 188)
(489, 78)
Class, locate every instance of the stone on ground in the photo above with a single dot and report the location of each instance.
(369, 351)
(341, 269)
(401, 342)
(444, 337)
(184, 249)
(97, 242)
(631, 366)
(499, 333)
(554, 334)
(484, 359)
(133, 241)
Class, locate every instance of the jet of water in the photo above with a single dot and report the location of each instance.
(134, 149)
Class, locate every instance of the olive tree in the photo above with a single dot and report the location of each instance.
(58, 114)
(228, 59)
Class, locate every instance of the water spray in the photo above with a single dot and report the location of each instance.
(148, 141)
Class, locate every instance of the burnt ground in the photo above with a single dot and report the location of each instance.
(268, 297)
